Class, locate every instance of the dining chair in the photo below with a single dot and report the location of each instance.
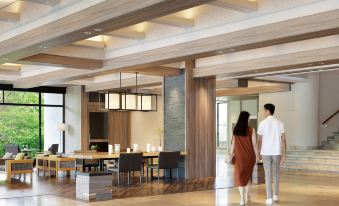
(128, 162)
(167, 160)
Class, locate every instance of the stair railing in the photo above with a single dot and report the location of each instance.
(329, 118)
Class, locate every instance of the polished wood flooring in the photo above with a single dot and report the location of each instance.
(65, 187)
(296, 189)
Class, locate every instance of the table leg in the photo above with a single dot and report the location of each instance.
(101, 164)
(151, 169)
(83, 165)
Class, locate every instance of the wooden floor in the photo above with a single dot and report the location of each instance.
(297, 189)
(65, 187)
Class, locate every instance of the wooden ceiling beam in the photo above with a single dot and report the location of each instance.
(45, 78)
(143, 81)
(253, 90)
(8, 67)
(46, 2)
(292, 30)
(176, 21)
(156, 71)
(91, 43)
(98, 19)
(127, 34)
(239, 5)
(282, 78)
(9, 16)
(62, 61)
(231, 83)
(284, 62)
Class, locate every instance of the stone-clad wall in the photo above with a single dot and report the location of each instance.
(174, 116)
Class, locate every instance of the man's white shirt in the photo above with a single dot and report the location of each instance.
(271, 130)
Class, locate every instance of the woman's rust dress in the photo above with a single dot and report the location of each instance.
(244, 158)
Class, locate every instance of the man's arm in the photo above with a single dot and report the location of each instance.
(284, 146)
(259, 146)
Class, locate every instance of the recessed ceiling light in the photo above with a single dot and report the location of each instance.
(220, 52)
(97, 29)
(87, 33)
(321, 63)
(231, 50)
(43, 47)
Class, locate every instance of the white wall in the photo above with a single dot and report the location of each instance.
(144, 126)
(328, 103)
(298, 110)
(73, 119)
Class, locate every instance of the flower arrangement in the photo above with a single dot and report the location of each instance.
(160, 132)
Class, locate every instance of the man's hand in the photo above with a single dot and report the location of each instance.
(259, 158)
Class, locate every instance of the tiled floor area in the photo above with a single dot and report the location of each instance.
(296, 189)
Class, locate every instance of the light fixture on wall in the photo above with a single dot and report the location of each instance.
(130, 101)
(61, 128)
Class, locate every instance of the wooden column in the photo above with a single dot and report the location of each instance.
(119, 129)
(200, 124)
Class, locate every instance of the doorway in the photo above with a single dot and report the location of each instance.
(228, 110)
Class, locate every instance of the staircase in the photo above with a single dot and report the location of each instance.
(312, 161)
(332, 142)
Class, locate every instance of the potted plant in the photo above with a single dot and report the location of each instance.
(94, 147)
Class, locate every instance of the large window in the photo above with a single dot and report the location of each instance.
(30, 118)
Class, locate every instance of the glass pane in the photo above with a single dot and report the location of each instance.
(1, 96)
(19, 125)
(51, 119)
(51, 99)
(222, 125)
(21, 97)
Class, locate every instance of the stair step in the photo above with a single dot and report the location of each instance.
(309, 170)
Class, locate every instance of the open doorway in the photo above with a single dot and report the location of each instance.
(228, 110)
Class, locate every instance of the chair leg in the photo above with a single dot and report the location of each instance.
(118, 178)
(128, 174)
(31, 176)
(158, 175)
(141, 175)
(177, 174)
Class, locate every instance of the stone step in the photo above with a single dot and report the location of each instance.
(306, 170)
(311, 166)
(336, 137)
(313, 158)
(313, 153)
(329, 147)
(315, 163)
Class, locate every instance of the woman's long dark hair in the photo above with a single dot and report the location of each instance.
(241, 128)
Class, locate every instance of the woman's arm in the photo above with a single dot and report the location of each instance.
(255, 143)
(232, 146)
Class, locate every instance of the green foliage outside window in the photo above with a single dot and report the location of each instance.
(20, 124)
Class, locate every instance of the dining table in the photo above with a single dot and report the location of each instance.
(102, 156)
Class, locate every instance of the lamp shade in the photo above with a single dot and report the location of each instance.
(62, 127)
(147, 102)
(112, 101)
(130, 101)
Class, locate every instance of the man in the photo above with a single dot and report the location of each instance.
(272, 147)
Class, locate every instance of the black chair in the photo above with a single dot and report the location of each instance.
(167, 160)
(129, 162)
(12, 148)
(54, 149)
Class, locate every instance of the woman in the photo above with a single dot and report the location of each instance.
(244, 150)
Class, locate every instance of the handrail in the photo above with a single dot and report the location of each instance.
(330, 117)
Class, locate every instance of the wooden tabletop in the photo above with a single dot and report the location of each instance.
(104, 155)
